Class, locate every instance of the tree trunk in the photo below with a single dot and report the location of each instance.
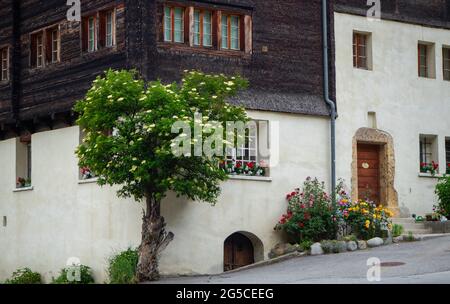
(154, 240)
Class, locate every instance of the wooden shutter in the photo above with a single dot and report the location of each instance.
(102, 29)
(187, 25)
(248, 34)
(217, 29)
(84, 33)
(33, 50)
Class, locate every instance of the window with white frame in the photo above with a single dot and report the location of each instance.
(202, 28)
(53, 35)
(23, 161)
(174, 24)
(85, 173)
(37, 49)
(4, 63)
(231, 30)
(429, 160)
(246, 159)
(110, 28)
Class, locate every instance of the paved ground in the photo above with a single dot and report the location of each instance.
(425, 262)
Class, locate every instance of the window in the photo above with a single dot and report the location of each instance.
(362, 51)
(446, 62)
(447, 154)
(250, 158)
(174, 24)
(428, 153)
(84, 173)
(423, 64)
(426, 61)
(110, 29)
(52, 44)
(4, 63)
(231, 30)
(92, 41)
(202, 28)
(55, 45)
(23, 161)
(37, 50)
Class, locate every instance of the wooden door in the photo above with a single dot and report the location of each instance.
(369, 172)
(238, 252)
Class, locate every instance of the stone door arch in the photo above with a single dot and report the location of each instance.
(368, 136)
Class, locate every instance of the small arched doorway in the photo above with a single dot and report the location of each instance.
(238, 252)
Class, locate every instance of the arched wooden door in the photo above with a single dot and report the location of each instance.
(238, 252)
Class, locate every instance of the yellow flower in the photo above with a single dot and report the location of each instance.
(367, 225)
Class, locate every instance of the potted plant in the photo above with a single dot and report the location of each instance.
(443, 193)
(429, 217)
(20, 183)
(86, 173)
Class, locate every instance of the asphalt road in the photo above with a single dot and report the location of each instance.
(425, 262)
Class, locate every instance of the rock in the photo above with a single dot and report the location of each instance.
(375, 242)
(341, 246)
(352, 246)
(327, 246)
(316, 249)
(362, 245)
(281, 249)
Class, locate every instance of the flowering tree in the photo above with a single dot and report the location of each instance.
(129, 142)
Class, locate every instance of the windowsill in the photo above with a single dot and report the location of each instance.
(88, 181)
(429, 78)
(250, 178)
(429, 175)
(23, 189)
(362, 69)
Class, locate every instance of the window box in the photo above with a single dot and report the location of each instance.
(429, 175)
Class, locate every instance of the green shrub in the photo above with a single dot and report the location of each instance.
(330, 246)
(410, 237)
(310, 213)
(24, 276)
(397, 230)
(350, 238)
(443, 193)
(306, 245)
(122, 267)
(85, 275)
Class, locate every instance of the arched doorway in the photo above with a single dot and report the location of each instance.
(238, 252)
(373, 168)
